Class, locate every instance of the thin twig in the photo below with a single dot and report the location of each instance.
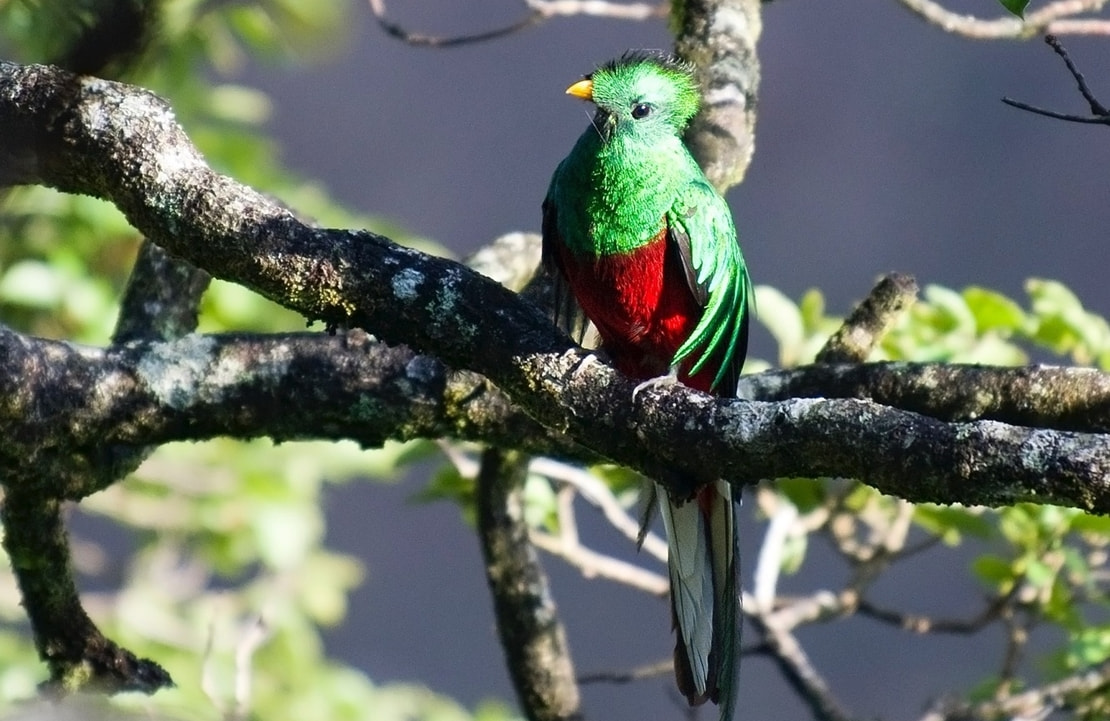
(818, 606)
(1017, 638)
(1089, 26)
(594, 491)
(1099, 114)
(1070, 117)
(539, 11)
(596, 565)
(924, 624)
(253, 637)
(799, 672)
(651, 670)
(1097, 108)
(600, 8)
(769, 561)
(1054, 18)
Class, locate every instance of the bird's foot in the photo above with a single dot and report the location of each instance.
(663, 381)
(579, 368)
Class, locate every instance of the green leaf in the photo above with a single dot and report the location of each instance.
(1038, 573)
(285, 531)
(783, 319)
(1089, 647)
(995, 571)
(1064, 326)
(954, 313)
(794, 552)
(812, 307)
(1017, 526)
(541, 506)
(627, 485)
(992, 350)
(1016, 7)
(805, 493)
(448, 485)
(33, 283)
(950, 522)
(1090, 523)
(239, 104)
(994, 311)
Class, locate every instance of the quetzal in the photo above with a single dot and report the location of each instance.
(639, 240)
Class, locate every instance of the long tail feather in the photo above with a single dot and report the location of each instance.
(701, 536)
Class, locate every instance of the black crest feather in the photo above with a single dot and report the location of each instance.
(662, 59)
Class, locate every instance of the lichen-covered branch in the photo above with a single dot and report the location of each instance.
(55, 395)
(719, 37)
(1048, 397)
(869, 321)
(122, 143)
(78, 654)
(160, 303)
(162, 297)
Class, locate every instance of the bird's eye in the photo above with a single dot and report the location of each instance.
(640, 111)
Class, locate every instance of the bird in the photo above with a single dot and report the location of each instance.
(639, 242)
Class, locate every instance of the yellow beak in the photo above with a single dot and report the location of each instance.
(582, 89)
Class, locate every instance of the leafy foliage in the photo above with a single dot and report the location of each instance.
(227, 551)
(1043, 564)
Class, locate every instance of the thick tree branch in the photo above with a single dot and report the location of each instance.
(121, 143)
(1050, 397)
(57, 396)
(203, 386)
(78, 655)
(533, 638)
(160, 303)
(161, 298)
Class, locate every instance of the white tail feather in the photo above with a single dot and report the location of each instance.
(690, 565)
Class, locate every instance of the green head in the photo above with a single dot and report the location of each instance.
(640, 95)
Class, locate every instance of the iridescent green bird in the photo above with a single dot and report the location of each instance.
(639, 241)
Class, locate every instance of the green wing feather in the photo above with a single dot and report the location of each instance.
(701, 226)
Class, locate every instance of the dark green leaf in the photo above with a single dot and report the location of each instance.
(1017, 7)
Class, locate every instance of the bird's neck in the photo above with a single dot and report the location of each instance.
(630, 187)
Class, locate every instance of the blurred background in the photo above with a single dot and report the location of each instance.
(881, 145)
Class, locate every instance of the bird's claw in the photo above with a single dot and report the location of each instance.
(658, 382)
(580, 367)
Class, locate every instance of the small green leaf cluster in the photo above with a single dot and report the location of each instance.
(975, 325)
(978, 325)
(1041, 565)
